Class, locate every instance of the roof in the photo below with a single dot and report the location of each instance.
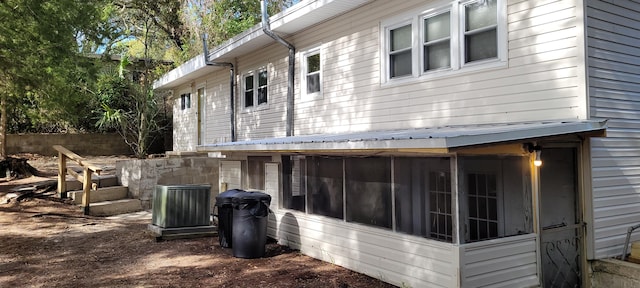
(436, 140)
(294, 19)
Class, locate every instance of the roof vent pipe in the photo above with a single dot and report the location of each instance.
(232, 120)
(292, 64)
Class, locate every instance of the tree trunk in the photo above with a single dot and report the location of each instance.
(3, 126)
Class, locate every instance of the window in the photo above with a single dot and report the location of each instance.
(437, 42)
(400, 63)
(423, 197)
(324, 185)
(185, 101)
(483, 206)
(480, 30)
(248, 91)
(452, 37)
(312, 73)
(294, 185)
(498, 197)
(262, 86)
(368, 191)
(255, 88)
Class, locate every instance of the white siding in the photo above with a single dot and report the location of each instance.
(614, 90)
(231, 173)
(544, 78)
(375, 252)
(505, 262)
(266, 120)
(217, 108)
(185, 130)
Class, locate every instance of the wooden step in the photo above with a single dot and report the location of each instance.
(115, 207)
(102, 194)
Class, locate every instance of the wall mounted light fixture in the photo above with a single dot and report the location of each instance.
(533, 147)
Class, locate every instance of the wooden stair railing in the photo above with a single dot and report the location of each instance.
(87, 168)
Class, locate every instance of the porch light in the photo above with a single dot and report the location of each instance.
(538, 161)
(533, 147)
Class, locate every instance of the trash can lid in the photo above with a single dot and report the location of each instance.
(251, 196)
(226, 197)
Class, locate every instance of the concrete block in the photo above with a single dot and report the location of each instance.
(115, 207)
(102, 194)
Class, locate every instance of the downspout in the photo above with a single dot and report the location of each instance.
(292, 65)
(232, 73)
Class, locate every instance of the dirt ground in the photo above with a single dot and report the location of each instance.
(47, 243)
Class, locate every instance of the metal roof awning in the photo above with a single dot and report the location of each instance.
(429, 140)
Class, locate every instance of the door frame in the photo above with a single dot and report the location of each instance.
(200, 114)
(582, 182)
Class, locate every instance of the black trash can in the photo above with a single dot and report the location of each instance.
(250, 214)
(224, 202)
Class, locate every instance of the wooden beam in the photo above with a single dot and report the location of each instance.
(76, 175)
(86, 190)
(75, 157)
(62, 175)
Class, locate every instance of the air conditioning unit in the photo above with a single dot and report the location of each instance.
(181, 210)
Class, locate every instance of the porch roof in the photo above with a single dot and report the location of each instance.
(428, 140)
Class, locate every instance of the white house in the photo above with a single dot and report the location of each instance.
(403, 144)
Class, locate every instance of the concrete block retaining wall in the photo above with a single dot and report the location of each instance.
(93, 144)
(141, 176)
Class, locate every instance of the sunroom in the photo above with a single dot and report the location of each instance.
(450, 207)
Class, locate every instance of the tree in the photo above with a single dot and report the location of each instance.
(39, 50)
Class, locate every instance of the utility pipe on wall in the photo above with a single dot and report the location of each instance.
(292, 65)
(232, 73)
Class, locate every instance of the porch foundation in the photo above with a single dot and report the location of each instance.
(614, 273)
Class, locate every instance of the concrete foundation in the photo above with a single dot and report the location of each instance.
(609, 273)
(141, 176)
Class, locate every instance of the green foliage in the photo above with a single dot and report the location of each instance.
(43, 78)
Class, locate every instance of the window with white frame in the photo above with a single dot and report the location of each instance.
(248, 90)
(400, 58)
(185, 101)
(448, 37)
(255, 88)
(437, 42)
(312, 73)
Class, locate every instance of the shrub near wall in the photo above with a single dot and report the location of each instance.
(92, 144)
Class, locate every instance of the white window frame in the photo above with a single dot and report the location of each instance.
(185, 100)
(452, 44)
(457, 46)
(255, 73)
(304, 73)
(387, 44)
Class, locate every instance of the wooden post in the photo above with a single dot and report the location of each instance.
(62, 175)
(86, 190)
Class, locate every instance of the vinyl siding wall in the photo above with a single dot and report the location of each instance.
(543, 79)
(614, 90)
(217, 127)
(505, 262)
(185, 133)
(378, 253)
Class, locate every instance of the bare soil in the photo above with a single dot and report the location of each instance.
(47, 243)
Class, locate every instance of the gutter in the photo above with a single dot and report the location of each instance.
(232, 76)
(292, 64)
